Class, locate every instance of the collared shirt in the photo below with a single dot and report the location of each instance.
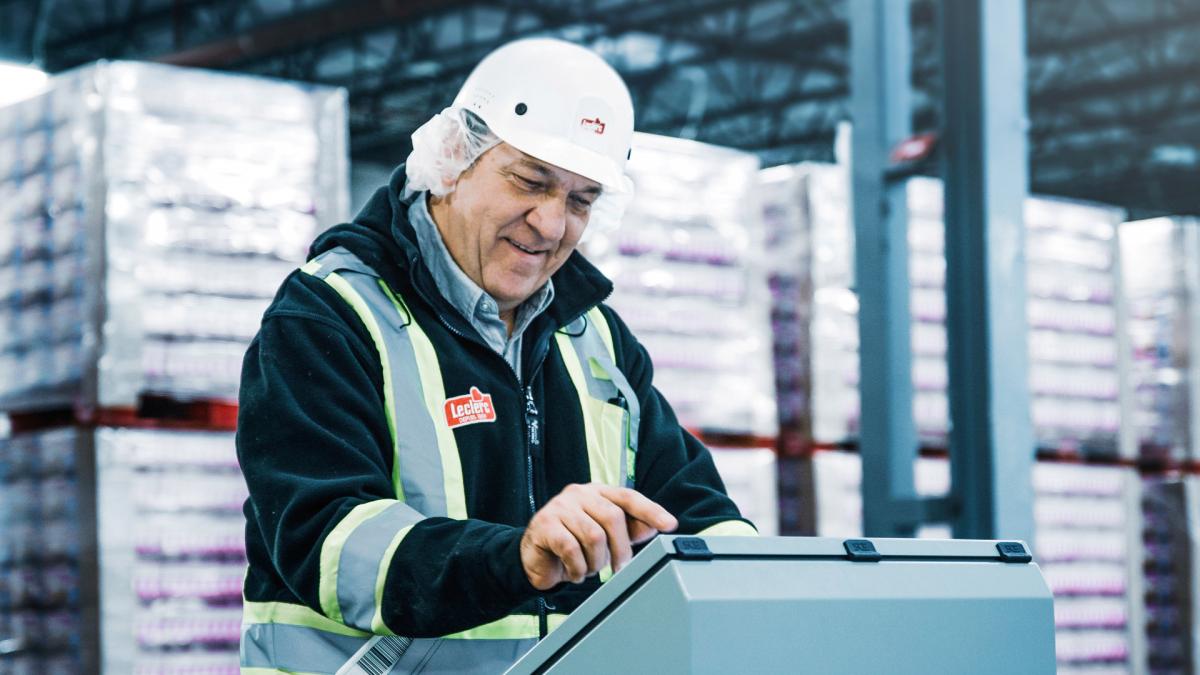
(475, 304)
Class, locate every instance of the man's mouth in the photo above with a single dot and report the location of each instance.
(524, 249)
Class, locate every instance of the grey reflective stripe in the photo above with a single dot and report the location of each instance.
(299, 648)
(590, 347)
(362, 555)
(631, 399)
(447, 657)
(311, 650)
(421, 474)
(420, 471)
(575, 327)
(589, 344)
(339, 259)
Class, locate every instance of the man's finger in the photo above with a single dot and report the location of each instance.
(593, 541)
(612, 518)
(563, 544)
(639, 532)
(641, 507)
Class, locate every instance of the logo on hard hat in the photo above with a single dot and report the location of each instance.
(471, 408)
(596, 126)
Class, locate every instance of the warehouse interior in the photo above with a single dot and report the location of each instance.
(910, 268)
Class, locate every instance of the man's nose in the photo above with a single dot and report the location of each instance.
(549, 217)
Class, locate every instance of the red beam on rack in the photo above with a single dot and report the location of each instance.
(162, 412)
(29, 422)
(733, 441)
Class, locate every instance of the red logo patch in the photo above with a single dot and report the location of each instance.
(595, 125)
(471, 408)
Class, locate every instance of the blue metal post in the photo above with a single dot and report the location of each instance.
(986, 178)
(882, 112)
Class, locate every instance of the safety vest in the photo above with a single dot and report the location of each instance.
(427, 476)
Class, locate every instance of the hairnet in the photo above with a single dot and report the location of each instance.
(444, 147)
(450, 142)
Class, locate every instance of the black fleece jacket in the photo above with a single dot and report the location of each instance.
(313, 438)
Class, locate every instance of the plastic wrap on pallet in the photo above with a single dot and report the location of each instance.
(1087, 543)
(147, 216)
(172, 550)
(1072, 311)
(750, 479)
(47, 152)
(1171, 508)
(42, 556)
(1076, 352)
(814, 311)
(1160, 273)
(686, 262)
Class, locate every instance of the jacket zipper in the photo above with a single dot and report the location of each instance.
(533, 440)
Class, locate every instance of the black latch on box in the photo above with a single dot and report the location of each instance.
(861, 550)
(692, 548)
(1013, 552)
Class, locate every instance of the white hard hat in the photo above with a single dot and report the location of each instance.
(558, 102)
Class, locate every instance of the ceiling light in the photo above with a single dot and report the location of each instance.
(1175, 155)
(19, 82)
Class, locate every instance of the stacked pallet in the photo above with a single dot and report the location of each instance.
(147, 216)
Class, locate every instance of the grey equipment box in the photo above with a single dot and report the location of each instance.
(811, 605)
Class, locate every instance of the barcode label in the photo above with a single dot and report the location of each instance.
(377, 656)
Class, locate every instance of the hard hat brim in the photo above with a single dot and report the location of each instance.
(566, 155)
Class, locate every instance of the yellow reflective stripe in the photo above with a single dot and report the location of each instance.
(331, 553)
(310, 267)
(606, 574)
(377, 625)
(621, 430)
(603, 466)
(596, 318)
(294, 615)
(434, 391)
(553, 621)
(611, 428)
(512, 627)
(351, 296)
(729, 528)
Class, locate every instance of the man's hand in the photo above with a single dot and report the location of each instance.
(586, 527)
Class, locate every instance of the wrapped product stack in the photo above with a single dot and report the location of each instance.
(1077, 380)
(148, 214)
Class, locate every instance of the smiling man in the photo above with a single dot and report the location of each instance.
(450, 442)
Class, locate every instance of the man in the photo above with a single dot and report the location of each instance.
(446, 436)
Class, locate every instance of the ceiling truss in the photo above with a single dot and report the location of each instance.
(1113, 97)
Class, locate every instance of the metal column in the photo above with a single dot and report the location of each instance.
(986, 178)
(882, 112)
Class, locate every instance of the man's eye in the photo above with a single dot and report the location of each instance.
(580, 204)
(527, 183)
